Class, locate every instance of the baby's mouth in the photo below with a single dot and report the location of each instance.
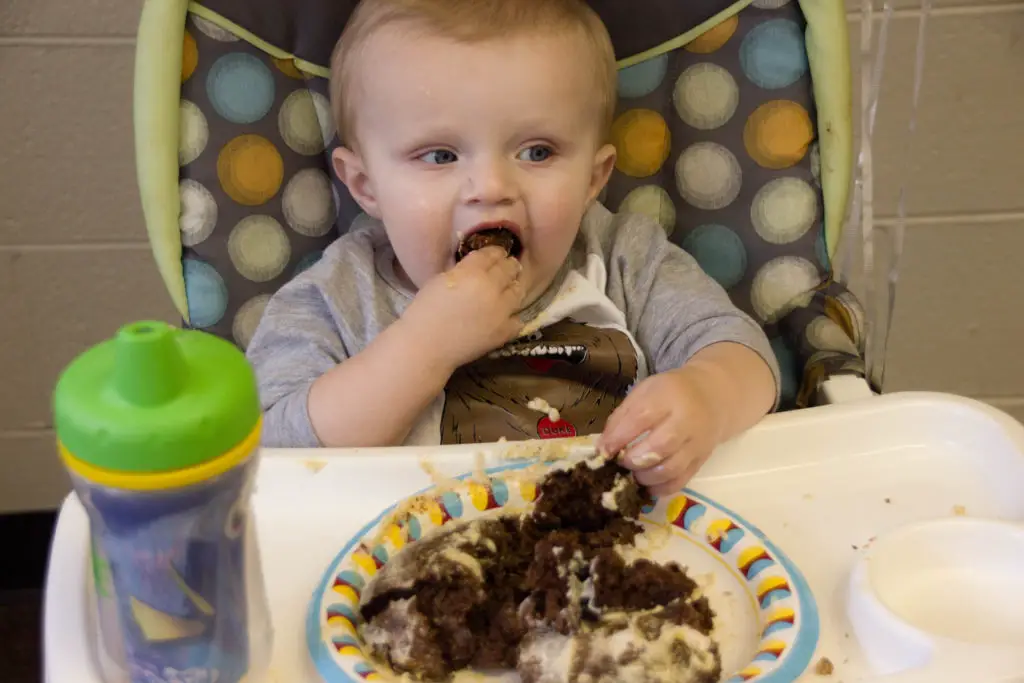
(497, 235)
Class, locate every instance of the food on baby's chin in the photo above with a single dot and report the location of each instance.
(501, 237)
(557, 594)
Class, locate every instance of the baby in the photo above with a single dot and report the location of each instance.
(491, 118)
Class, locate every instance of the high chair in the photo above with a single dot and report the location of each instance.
(733, 131)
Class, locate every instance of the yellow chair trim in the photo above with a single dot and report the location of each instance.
(256, 41)
(156, 108)
(684, 38)
(828, 52)
(325, 72)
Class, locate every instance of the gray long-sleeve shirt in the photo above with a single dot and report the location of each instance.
(626, 302)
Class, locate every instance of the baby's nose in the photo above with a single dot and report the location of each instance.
(491, 182)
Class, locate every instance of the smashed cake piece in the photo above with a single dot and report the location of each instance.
(588, 497)
(549, 593)
(643, 585)
(656, 646)
(448, 602)
(501, 237)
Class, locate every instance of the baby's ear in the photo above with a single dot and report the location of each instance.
(351, 170)
(604, 162)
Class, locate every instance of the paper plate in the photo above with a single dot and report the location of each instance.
(766, 620)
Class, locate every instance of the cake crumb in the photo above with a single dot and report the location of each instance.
(314, 466)
(542, 406)
(547, 451)
(959, 510)
(824, 667)
(808, 496)
(888, 500)
(655, 536)
(533, 326)
(441, 482)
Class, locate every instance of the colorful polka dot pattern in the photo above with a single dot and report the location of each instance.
(258, 204)
(716, 142)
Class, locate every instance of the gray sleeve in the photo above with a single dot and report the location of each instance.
(296, 342)
(672, 306)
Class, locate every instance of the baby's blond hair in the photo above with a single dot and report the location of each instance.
(471, 21)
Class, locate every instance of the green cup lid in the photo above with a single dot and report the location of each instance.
(155, 399)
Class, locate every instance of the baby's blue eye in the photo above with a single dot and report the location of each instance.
(440, 156)
(536, 153)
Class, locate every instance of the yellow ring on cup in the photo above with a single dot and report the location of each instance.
(160, 481)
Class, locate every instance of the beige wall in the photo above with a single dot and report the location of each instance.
(74, 263)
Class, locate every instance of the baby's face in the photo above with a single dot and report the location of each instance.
(453, 138)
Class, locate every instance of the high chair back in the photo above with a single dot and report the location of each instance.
(733, 131)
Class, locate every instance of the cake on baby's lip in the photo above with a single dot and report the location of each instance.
(504, 235)
(549, 593)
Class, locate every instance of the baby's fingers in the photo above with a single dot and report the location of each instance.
(671, 475)
(635, 417)
(508, 271)
(482, 259)
(668, 438)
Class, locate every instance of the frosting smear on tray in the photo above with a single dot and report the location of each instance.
(556, 594)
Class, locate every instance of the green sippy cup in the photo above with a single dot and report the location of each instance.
(159, 428)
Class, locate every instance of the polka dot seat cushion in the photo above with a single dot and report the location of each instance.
(716, 132)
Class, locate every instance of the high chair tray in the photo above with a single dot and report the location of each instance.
(821, 483)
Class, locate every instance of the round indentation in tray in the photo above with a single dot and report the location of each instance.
(961, 579)
(926, 586)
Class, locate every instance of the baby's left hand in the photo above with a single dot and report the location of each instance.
(674, 414)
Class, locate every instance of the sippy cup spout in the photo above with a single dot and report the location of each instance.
(149, 368)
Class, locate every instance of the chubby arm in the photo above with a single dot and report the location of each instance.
(722, 391)
(315, 392)
(375, 397)
(739, 385)
(715, 372)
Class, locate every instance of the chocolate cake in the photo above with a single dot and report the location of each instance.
(501, 237)
(548, 593)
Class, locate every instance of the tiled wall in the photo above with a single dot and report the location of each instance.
(74, 262)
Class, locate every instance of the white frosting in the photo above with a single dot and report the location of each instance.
(465, 559)
(609, 499)
(542, 406)
(553, 654)
(394, 631)
(652, 661)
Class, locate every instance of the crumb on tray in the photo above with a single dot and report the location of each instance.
(314, 466)
(959, 510)
(824, 667)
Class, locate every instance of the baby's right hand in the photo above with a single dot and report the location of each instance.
(471, 309)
